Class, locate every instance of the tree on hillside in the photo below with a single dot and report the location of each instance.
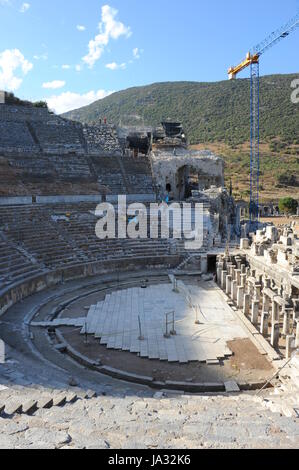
(288, 205)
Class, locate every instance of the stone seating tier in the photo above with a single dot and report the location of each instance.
(70, 167)
(16, 138)
(32, 240)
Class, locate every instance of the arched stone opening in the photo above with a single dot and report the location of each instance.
(168, 187)
(187, 180)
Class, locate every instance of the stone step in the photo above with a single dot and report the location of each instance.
(45, 403)
(59, 400)
(13, 406)
(29, 407)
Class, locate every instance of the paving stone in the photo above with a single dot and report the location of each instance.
(115, 321)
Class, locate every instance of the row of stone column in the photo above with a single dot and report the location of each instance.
(258, 302)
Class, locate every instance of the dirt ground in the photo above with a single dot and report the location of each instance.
(277, 221)
(246, 356)
(246, 365)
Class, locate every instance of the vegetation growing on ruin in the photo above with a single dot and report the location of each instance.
(11, 99)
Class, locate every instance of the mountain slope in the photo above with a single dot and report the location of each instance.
(210, 112)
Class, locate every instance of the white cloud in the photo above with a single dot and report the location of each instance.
(41, 57)
(78, 68)
(115, 66)
(136, 53)
(54, 85)
(109, 28)
(80, 27)
(25, 7)
(68, 101)
(12, 60)
(65, 67)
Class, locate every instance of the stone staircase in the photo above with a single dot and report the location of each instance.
(147, 420)
(21, 400)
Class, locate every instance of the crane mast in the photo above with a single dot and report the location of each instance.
(252, 60)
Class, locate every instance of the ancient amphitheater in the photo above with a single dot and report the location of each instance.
(137, 342)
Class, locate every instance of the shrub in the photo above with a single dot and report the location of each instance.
(288, 205)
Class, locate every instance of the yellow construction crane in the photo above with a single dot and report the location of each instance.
(252, 61)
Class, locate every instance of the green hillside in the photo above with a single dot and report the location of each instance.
(210, 112)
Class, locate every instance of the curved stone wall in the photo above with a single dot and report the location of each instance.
(25, 288)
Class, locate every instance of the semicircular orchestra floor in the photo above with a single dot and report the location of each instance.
(121, 325)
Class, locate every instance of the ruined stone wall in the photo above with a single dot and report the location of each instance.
(167, 163)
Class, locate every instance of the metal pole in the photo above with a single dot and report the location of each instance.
(173, 332)
(86, 335)
(166, 335)
(197, 322)
(276, 374)
(141, 337)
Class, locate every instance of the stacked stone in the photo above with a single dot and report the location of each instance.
(102, 140)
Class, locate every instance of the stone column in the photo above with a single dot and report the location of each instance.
(239, 261)
(246, 304)
(275, 335)
(265, 324)
(243, 280)
(219, 273)
(240, 297)
(275, 312)
(266, 303)
(238, 277)
(297, 335)
(228, 285)
(290, 346)
(243, 269)
(255, 312)
(229, 269)
(223, 280)
(257, 292)
(286, 323)
(244, 244)
(268, 283)
(234, 291)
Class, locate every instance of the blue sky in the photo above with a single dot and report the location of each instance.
(72, 52)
